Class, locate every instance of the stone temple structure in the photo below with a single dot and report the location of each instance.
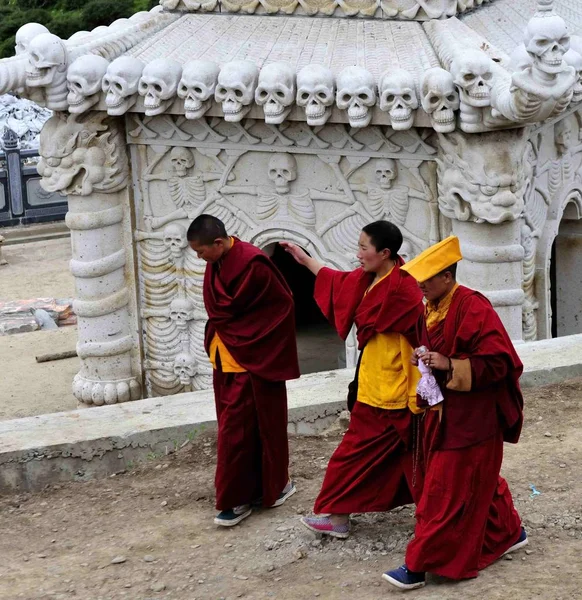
(303, 120)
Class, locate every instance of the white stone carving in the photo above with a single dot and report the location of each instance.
(543, 88)
(573, 59)
(479, 180)
(472, 73)
(398, 97)
(197, 87)
(440, 99)
(85, 159)
(282, 171)
(185, 367)
(276, 91)
(187, 192)
(120, 84)
(159, 84)
(47, 69)
(84, 79)
(174, 236)
(356, 94)
(25, 35)
(181, 309)
(316, 93)
(235, 90)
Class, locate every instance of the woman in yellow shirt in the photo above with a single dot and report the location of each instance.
(374, 467)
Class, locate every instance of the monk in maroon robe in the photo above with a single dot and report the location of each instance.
(465, 517)
(250, 339)
(374, 468)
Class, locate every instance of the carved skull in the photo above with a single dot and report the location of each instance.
(181, 311)
(26, 34)
(84, 81)
(546, 39)
(398, 97)
(316, 93)
(276, 91)
(197, 87)
(159, 84)
(356, 93)
(181, 160)
(120, 84)
(78, 35)
(440, 99)
(175, 239)
(385, 173)
(473, 74)
(282, 171)
(574, 59)
(237, 81)
(185, 367)
(47, 57)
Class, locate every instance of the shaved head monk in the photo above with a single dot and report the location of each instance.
(375, 467)
(465, 519)
(250, 339)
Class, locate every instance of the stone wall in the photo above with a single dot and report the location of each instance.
(317, 187)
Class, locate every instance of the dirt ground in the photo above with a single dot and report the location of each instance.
(156, 520)
(36, 270)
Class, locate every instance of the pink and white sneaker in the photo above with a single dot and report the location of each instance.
(325, 526)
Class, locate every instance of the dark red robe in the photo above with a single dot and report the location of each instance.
(465, 516)
(394, 305)
(250, 307)
(374, 467)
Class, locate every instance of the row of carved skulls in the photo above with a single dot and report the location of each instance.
(276, 88)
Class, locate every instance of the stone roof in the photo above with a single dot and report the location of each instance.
(473, 72)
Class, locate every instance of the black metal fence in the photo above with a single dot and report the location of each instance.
(22, 200)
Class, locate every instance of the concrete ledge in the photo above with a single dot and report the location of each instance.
(85, 443)
(551, 361)
(90, 442)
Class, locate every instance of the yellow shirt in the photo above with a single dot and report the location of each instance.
(386, 378)
(228, 364)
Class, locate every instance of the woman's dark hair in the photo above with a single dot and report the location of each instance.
(384, 236)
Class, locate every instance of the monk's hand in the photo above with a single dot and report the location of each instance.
(434, 360)
(296, 252)
(415, 357)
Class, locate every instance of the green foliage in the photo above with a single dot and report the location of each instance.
(63, 17)
(103, 12)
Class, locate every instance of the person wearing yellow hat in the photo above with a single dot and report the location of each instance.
(465, 518)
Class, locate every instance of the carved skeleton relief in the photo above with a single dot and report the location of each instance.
(322, 198)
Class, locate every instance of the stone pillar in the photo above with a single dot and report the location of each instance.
(85, 158)
(481, 183)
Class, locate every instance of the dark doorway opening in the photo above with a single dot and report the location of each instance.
(565, 274)
(319, 346)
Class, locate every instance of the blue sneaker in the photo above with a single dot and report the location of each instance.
(404, 579)
(521, 542)
(233, 516)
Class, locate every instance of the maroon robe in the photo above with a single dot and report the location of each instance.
(374, 468)
(250, 307)
(465, 516)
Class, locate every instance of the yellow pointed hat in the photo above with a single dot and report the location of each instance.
(434, 259)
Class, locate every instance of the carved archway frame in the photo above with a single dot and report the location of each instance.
(569, 195)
